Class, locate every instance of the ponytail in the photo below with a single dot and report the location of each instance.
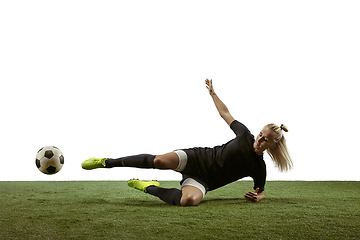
(284, 128)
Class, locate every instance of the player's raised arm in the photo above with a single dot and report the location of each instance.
(220, 106)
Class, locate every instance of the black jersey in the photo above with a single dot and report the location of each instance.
(218, 166)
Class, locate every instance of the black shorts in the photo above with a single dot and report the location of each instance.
(192, 169)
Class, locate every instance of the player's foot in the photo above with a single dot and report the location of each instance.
(141, 185)
(93, 163)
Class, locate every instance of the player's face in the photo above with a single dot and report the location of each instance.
(264, 140)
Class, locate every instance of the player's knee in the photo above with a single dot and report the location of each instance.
(187, 201)
(159, 162)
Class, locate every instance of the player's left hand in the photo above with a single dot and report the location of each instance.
(253, 196)
(209, 86)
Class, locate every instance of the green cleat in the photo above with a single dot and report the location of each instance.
(141, 185)
(93, 163)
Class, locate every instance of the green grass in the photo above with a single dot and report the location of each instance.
(111, 210)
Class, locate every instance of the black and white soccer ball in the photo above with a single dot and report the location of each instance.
(49, 160)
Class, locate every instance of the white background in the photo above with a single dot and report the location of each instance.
(117, 78)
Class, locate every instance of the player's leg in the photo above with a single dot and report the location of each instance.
(172, 160)
(186, 197)
(171, 196)
(140, 161)
(165, 161)
(193, 192)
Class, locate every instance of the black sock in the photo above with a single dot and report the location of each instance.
(171, 196)
(138, 161)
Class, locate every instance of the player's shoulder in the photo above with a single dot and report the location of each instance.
(239, 128)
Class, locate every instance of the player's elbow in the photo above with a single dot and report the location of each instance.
(227, 117)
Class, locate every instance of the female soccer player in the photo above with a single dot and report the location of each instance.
(206, 169)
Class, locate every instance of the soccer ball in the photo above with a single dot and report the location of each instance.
(49, 160)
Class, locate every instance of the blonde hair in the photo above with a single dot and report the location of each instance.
(279, 153)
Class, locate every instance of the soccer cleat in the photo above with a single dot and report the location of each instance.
(93, 163)
(141, 185)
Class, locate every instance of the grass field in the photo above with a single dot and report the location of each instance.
(111, 210)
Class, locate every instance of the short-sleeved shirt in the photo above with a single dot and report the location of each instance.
(221, 165)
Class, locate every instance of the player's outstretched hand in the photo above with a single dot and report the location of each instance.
(254, 196)
(209, 86)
